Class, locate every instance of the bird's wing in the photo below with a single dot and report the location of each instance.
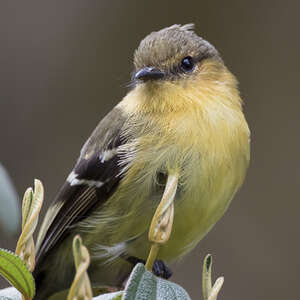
(92, 181)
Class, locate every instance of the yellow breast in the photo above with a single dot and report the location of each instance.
(197, 127)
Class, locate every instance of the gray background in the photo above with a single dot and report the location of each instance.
(65, 64)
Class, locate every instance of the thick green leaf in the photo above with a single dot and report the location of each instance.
(13, 269)
(142, 284)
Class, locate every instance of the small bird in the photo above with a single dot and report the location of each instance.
(183, 114)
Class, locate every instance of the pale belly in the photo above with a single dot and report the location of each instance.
(204, 193)
(195, 214)
(199, 204)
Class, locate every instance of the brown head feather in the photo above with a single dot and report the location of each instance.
(166, 48)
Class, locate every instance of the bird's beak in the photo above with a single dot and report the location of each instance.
(148, 73)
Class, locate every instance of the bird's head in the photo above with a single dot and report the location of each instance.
(172, 53)
(175, 66)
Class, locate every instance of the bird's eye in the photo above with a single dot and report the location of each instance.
(187, 64)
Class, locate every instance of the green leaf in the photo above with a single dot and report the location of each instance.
(142, 284)
(13, 269)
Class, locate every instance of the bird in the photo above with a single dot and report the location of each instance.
(183, 113)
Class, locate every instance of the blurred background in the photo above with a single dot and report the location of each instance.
(65, 64)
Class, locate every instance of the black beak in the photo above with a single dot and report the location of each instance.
(148, 73)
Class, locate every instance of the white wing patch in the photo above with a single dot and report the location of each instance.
(73, 180)
(107, 154)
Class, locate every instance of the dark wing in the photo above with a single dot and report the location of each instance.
(93, 179)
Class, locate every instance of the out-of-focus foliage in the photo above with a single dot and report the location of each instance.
(10, 293)
(9, 203)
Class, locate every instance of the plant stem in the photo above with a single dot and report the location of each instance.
(152, 256)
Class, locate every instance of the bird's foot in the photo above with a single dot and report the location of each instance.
(159, 268)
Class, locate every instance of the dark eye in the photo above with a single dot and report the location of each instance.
(187, 64)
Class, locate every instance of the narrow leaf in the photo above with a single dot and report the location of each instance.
(32, 203)
(216, 289)
(162, 221)
(26, 204)
(206, 276)
(81, 286)
(13, 269)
